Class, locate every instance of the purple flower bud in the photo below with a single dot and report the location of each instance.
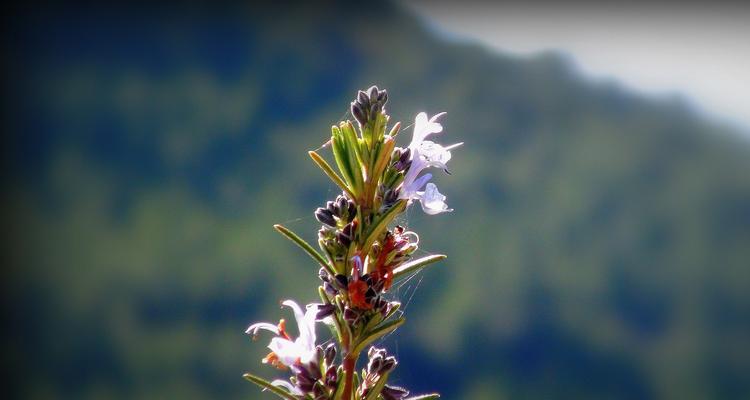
(331, 376)
(363, 98)
(358, 113)
(374, 365)
(342, 281)
(374, 110)
(350, 315)
(383, 96)
(388, 365)
(325, 217)
(343, 239)
(330, 354)
(330, 289)
(325, 310)
(319, 391)
(373, 93)
(393, 393)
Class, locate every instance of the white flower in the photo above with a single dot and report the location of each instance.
(425, 154)
(286, 350)
(433, 202)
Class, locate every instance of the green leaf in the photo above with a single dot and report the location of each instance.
(354, 155)
(340, 154)
(425, 397)
(416, 265)
(304, 246)
(320, 162)
(382, 223)
(268, 386)
(378, 333)
(375, 391)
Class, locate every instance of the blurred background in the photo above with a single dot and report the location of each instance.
(600, 247)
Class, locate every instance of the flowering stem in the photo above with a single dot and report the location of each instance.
(350, 364)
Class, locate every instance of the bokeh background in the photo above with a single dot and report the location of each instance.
(600, 247)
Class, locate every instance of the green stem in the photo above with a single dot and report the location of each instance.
(350, 365)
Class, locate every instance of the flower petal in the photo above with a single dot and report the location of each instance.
(432, 201)
(424, 127)
(287, 351)
(306, 331)
(254, 328)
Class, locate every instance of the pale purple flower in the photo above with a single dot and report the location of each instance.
(286, 350)
(432, 201)
(425, 154)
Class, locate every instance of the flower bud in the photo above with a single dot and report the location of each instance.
(383, 97)
(363, 98)
(393, 393)
(359, 114)
(342, 281)
(330, 289)
(330, 354)
(325, 310)
(331, 376)
(325, 217)
(373, 93)
(389, 364)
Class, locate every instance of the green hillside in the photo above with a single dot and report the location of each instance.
(599, 246)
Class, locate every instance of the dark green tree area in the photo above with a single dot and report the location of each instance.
(599, 246)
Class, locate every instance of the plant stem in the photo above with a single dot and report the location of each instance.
(350, 365)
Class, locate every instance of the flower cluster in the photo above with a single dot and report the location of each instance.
(360, 257)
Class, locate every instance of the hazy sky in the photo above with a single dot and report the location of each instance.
(701, 51)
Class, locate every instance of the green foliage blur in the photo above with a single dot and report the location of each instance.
(599, 248)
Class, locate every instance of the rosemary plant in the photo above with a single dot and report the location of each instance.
(361, 256)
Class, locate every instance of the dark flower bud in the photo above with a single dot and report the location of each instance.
(373, 93)
(374, 365)
(348, 229)
(359, 114)
(405, 155)
(342, 205)
(384, 308)
(379, 285)
(363, 98)
(350, 315)
(373, 351)
(352, 209)
(393, 393)
(330, 354)
(314, 370)
(374, 109)
(330, 207)
(344, 239)
(370, 295)
(319, 391)
(331, 376)
(342, 281)
(325, 217)
(304, 380)
(325, 310)
(383, 96)
(330, 289)
(323, 275)
(388, 365)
